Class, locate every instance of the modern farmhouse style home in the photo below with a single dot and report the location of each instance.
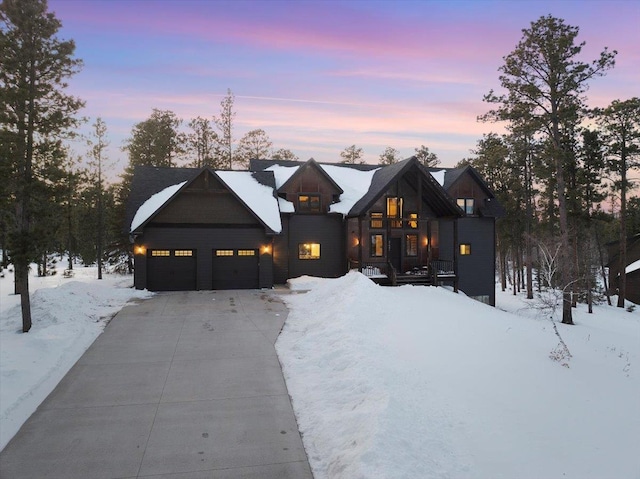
(200, 229)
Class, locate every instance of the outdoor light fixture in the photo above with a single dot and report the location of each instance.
(266, 249)
(426, 241)
(139, 249)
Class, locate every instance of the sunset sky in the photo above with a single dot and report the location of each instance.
(320, 76)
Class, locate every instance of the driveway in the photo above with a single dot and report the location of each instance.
(184, 385)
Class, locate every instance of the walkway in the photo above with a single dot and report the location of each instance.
(185, 385)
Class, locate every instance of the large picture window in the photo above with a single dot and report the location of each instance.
(309, 251)
(394, 210)
(309, 203)
(377, 246)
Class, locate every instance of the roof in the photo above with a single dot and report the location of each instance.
(152, 188)
(383, 177)
(310, 164)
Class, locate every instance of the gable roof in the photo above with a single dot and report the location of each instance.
(254, 190)
(384, 177)
(491, 206)
(302, 168)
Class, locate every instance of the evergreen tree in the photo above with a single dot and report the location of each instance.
(202, 145)
(544, 82)
(155, 141)
(620, 124)
(34, 114)
(224, 123)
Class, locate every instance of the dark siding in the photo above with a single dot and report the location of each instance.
(281, 253)
(445, 239)
(205, 240)
(329, 231)
(476, 272)
(200, 207)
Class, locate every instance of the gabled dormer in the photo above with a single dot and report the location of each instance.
(310, 189)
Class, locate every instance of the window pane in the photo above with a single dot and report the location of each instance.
(376, 220)
(183, 252)
(224, 252)
(309, 251)
(469, 206)
(246, 252)
(413, 221)
(412, 245)
(160, 252)
(377, 245)
(465, 249)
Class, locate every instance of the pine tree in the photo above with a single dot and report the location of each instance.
(34, 114)
(224, 122)
(352, 155)
(389, 156)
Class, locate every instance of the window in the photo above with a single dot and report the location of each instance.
(394, 210)
(224, 252)
(377, 246)
(309, 251)
(183, 252)
(309, 203)
(160, 252)
(467, 205)
(246, 252)
(465, 249)
(376, 220)
(413, 221)
(411, 245)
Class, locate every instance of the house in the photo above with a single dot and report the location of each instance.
(632, 268)
(202, 229)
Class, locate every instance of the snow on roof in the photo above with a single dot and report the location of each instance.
(282, 173)
(153, 204)
(632, 267)
(258, 197)
(439, 176)
(354, 183)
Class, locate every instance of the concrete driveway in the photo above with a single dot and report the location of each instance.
(184, 385)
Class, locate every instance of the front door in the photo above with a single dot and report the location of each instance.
(395, 253)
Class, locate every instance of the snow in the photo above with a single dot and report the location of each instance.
(439, 176)
(354, 183)
(412, 382)
(282, 173)
(258, 197)
(153, 204)
(635, 266)
(67, 314)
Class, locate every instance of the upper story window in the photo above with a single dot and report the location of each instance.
(309, 251)
(376, 220)
(309, 203)
(467, 205)
(394, 210)
(413, 221)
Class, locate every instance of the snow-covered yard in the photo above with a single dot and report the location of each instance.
(416, 382)
(68, 314)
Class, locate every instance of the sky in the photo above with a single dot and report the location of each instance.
(319, 76)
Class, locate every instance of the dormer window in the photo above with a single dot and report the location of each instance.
(309, 203)
(467, 205)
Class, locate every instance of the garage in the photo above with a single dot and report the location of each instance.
(171, 269)
(235, 268)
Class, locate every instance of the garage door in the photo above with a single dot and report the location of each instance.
(171, 270)
(235, 269)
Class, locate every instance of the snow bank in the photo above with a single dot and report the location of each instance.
(421, 382)
(153, 204)
(66, 321)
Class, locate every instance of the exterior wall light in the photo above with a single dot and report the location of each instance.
(266, 249)
(139, 249)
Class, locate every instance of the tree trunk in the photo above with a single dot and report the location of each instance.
(23, 280)
(603, 272)
(622, 281)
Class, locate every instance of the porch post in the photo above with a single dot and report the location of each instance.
(360, 240)
(455, 254)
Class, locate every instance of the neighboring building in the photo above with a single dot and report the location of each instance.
(204, 229)
(632, 268)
